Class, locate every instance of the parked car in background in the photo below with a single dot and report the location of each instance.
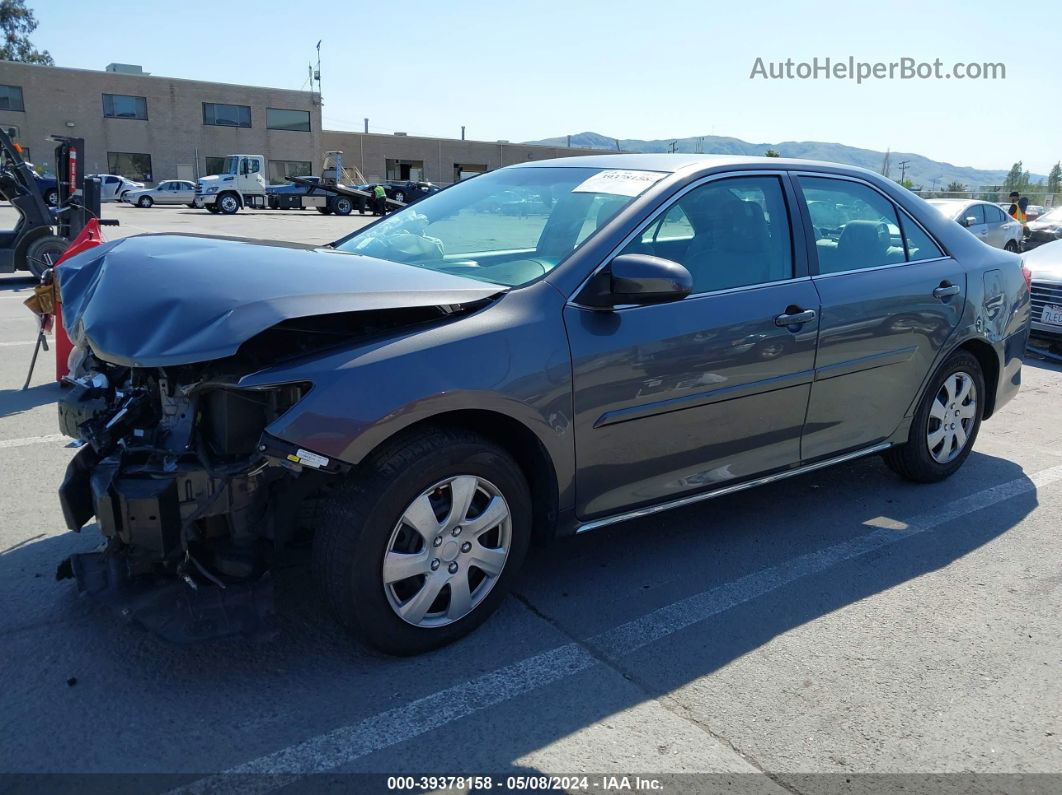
(170, 191)
(277, 195)
(48, 185)
(113, 186)
(1033, 211)
(1045, 263)
(1044, 229)
(451, 381)
(983, 220)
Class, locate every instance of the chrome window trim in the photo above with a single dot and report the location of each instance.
(899, 208)
(709, 495)
(607, 259)
(876, 268)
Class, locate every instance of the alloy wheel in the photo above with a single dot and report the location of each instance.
(447, 551)
(952, 417)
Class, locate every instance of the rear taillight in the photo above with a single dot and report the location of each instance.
(1027, 274)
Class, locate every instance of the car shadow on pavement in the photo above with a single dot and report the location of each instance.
(15, 401)
(258, 698)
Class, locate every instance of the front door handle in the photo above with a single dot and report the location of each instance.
(795, 318)
(946, 290)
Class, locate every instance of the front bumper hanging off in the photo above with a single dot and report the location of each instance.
(180, 611)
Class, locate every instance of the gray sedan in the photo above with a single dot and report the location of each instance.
(172, 191)
(655, 331)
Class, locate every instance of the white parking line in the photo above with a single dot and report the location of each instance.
(51, 437)
(348, 743)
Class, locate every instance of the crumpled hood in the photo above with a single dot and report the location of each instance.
(169, 299)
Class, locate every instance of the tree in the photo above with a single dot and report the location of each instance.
(1054, 179)
(907, 183)
(771, 153)
(16, 23)
(1017, 179)
(955, 187)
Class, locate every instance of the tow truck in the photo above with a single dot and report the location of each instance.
(241, 183)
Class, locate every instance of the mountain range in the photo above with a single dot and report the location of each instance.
(923, 171)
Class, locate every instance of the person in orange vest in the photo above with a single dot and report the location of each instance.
(1017, 207)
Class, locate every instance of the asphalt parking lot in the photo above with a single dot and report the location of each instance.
(787, 638)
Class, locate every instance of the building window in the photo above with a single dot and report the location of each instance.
(132, 165)
(226, 115)
(280, 170)
(214, 165)
(120, 106)
(11, 98)
(466, 170)
(405, 170)
(294, 120)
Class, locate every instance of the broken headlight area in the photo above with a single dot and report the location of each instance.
(192, 496)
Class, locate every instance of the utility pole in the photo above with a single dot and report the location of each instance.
(317, 74)
(903, 169)
(672, 146)
(885, 165)
(462, 132)
(617, 144)
(569, 142)
(366, 125)
(700, 145)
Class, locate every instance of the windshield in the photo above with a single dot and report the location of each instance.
(231, 165)
(507, 227)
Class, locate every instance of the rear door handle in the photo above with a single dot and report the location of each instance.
(795, 318)
(946, 290)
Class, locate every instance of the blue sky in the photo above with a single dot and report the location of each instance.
(523, 70)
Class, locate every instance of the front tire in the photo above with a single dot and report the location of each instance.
(1011, 246)
(945, 424)
(423, 543)
(342, 206)
(228, 204)
(51, 198)
(144, 201)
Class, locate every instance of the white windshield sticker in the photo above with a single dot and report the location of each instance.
(618, 182)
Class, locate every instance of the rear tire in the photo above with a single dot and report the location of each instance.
(366, 522)
(1011, 246)
(342, 206)
(51, 198)
(44, 252)
(925, 457)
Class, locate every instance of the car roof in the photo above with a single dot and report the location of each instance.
(658, 161)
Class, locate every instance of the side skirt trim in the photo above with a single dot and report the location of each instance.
(709, 495)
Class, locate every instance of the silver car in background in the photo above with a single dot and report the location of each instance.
(984, 220)
(1045, 327)
(170, 191)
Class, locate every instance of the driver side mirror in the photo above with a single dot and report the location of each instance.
(637, 279)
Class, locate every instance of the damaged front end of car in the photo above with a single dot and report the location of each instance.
(193, 498)
(193, 495)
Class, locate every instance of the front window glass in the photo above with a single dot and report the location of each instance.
(727, 233)
(508, 227)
